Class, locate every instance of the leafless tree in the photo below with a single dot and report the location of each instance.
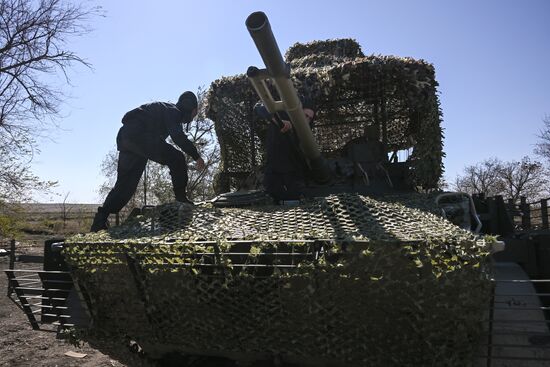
(202, 134)
(17, 181)
(542, 148)
(65, 209)
(526, 178)
(158, 184)
(482, 177)
(34, 37)
(510, 179)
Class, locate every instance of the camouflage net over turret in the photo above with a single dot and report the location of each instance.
(351, 92)
(345, 279)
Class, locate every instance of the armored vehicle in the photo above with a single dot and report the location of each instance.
(373, 267)
(328, 281)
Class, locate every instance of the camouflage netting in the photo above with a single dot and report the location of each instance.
(351, 92)
(344, 279)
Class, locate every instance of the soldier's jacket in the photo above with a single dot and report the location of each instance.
(282, 150)
(158, 120)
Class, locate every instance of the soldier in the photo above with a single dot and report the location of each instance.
(285, 166)
(143, 137)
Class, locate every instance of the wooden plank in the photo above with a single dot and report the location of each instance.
(42, 289)
(34, 291)
(57, 323)
(57, 281)
(56, 315)
(47, 306)
(48, 298)
(27, 277)
(28, 283)
(39, 271)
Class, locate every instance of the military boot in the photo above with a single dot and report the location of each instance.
(100, 220)
(181, 196)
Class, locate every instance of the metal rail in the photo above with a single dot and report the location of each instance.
(520, 332)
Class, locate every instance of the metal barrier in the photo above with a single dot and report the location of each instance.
(517, 324)
(529, 215)
(39, 294)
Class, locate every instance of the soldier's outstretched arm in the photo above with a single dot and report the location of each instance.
(178, 136)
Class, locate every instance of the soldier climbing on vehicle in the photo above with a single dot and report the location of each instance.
(143, 137)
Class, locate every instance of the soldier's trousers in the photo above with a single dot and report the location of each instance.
(283, 185)
(135, 148)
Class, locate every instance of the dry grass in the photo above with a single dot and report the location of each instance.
(39, 221)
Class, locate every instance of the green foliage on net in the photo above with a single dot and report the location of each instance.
(345, 278)
(351, 92)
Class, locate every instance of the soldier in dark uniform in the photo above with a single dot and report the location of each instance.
(143, 137)
(285, 166)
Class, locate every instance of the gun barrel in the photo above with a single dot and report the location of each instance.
(260, 30)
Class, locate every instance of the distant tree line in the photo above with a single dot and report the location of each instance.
(513, 179)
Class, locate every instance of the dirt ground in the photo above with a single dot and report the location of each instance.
(21, 346)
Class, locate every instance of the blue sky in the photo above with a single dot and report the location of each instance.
(492, 61)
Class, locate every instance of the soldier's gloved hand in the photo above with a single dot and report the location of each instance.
(200, 164)
(286, 126)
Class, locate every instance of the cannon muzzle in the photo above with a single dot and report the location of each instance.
(260, 30)
(279, 72)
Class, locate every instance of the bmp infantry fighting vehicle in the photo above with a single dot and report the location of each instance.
(372, 268)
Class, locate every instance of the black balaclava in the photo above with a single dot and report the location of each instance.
(308, 103)
(186, 103)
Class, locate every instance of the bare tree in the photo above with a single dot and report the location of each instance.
(65, 209)
(509, 179)
(202, 134)
(526, 178)
(34, 39)
(159, 185)
(482, 177)
(542, 148)
(17, 181)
